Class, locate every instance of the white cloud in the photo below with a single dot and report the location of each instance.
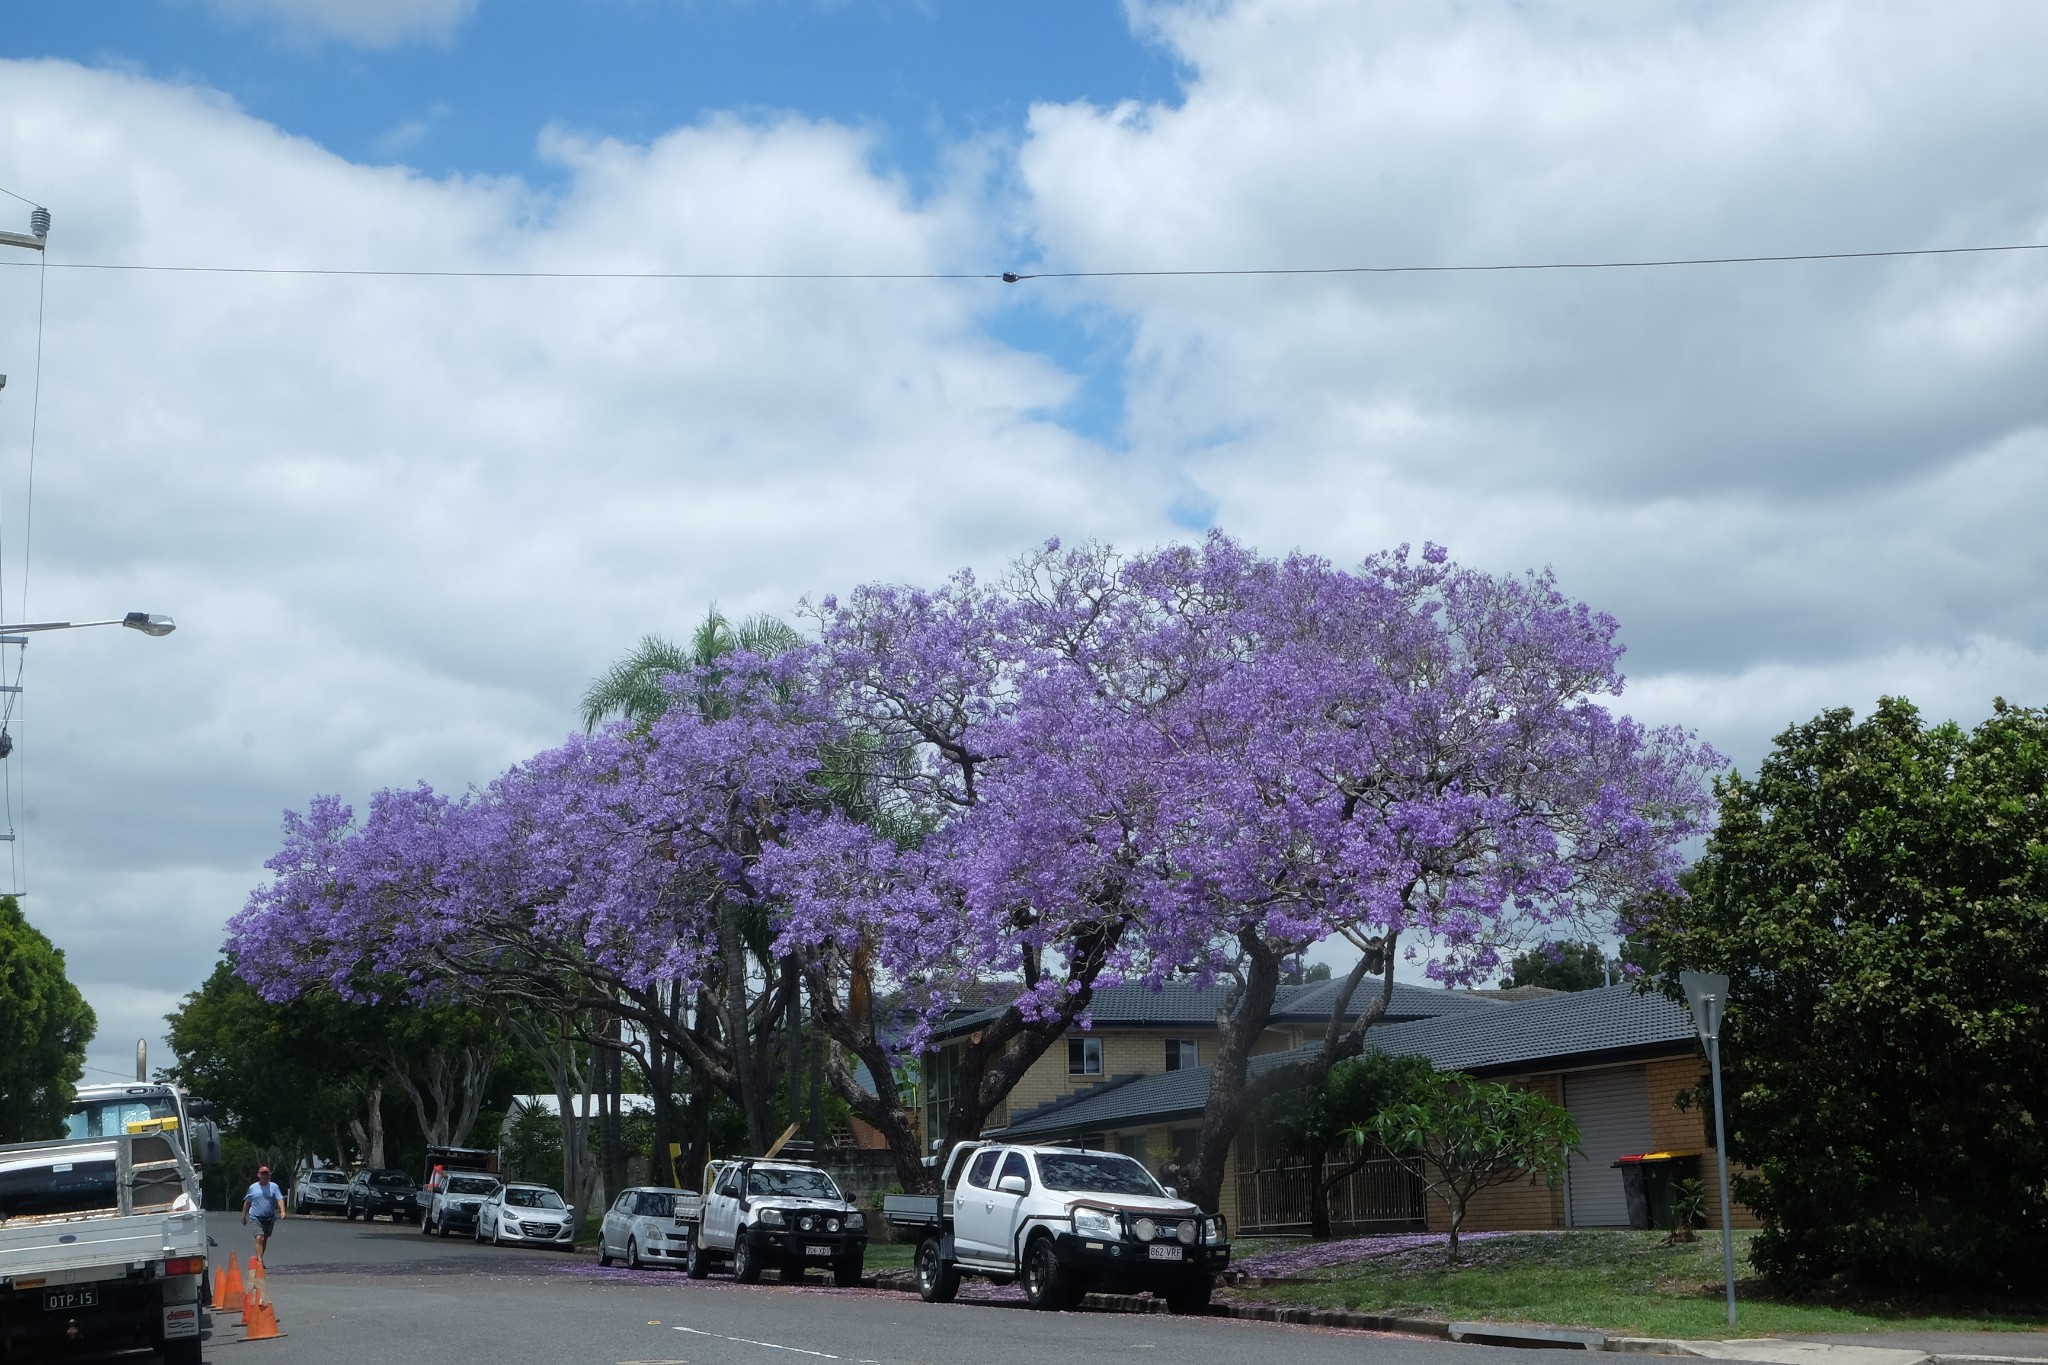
(365, 23)
(1818, 471)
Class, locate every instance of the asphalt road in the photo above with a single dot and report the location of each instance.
(374, 1293)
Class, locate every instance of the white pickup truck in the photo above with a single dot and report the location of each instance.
(757, 1213)
(102, 1245)
(1065, 1221)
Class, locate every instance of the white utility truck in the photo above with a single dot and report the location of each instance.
(1065, 1221)
(102, 1246)
(756, 1213)
(100, 1111)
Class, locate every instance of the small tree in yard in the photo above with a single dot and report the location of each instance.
(1316, 1122)
(1460, 1136)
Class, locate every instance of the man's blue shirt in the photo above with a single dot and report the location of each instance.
(263, 1200)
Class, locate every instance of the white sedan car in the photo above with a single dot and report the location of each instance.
(526, 1215)
(641, 1227)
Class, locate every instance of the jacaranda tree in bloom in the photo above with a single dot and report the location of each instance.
(1203, 762)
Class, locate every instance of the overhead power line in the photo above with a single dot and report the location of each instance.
(1021, 276)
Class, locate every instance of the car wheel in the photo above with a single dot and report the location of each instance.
(441, 1225)
(1046, 1282)
(937, 1279)
(1190, 1298)
(846, 1270)
(604, 1255)
(426, 1222)
(746, 1262)
(696, 1262)
(633, 1261)
(476, 1234)
(348, 1212)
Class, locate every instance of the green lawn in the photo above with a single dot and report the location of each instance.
(1623, 1282)
(890, 1255)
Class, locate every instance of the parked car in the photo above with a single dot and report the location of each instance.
(642, 1226)
(374, 1192)
(455, 1200)
(1064, 1221)
(320, 1191)
(526, 1215)
(783, 1213)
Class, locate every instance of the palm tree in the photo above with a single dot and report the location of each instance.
(636, 688)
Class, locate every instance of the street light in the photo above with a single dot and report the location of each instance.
(1706, 993)
(148, 622)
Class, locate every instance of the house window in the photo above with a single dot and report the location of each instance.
(1182, 1054)
(1084, 1056)
(1133, 1145)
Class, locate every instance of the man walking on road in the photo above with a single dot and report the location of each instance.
(265, 1203)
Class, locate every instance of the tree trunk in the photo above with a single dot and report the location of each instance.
(367, 1128)
(733, 949)
(1233, 1094)
(1318, 1196)
(793, 1039)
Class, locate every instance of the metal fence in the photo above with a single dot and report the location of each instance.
(1377, 1197)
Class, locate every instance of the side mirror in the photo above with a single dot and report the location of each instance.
(1171, 1192)
(1014, 1184)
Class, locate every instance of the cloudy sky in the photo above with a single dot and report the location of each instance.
(402, 520)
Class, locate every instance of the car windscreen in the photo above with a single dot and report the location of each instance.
(391, 1180)
(656, 1205)
(110, 1118)
(1095, 1173)
(29, 1190)
(797, 1184)
(471, 1184)
(533, 1199)
(326, 1178)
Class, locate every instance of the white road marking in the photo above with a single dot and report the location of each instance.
(749, 1341)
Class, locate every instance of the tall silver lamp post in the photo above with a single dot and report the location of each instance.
(1707, 995)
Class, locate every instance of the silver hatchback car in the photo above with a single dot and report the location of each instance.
(526, 1215)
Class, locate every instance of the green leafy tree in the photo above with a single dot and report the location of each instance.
(1878, 897)
(1460, 1136)
(1317, 1123)
(45, 1026)
(1561, 967)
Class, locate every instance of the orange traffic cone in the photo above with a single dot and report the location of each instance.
(259, 1319)
(230, 1296)
(220, 1287)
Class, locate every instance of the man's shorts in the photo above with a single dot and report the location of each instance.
(265, 1225)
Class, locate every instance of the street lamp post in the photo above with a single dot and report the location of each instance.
(1707, 995)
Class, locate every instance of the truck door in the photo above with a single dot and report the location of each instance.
(976, 1236)
(722, 1210)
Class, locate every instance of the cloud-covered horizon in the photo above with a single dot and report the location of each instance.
(402, 522)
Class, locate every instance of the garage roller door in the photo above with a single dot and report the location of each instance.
(1613, 1110)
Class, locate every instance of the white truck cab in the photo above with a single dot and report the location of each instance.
(1065, 1221)
(756, 1213)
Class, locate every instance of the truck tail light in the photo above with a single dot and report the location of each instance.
(185, 1265)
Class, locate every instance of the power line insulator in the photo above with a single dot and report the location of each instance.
(39, 222)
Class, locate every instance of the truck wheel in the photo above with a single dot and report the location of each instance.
(938, 1279)
(183, 1351)
(846, 1271)
(746, 1262)
(697, 1264)
(426, 1222)
(1190, 1298)
(442, 1224)
(1046, 1282)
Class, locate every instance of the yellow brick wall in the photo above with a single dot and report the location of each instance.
(1690, 1130)
(1125, 1052)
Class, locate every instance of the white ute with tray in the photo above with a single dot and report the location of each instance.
(102, 1246)
(757, 1212)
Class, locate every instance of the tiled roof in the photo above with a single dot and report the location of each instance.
(1561, 1030)
(1182, 1004)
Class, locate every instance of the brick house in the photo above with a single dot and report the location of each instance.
(1137, 1083)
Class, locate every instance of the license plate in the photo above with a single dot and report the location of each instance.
(817, 1251)
(64, 1300)
(1160, 1253)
